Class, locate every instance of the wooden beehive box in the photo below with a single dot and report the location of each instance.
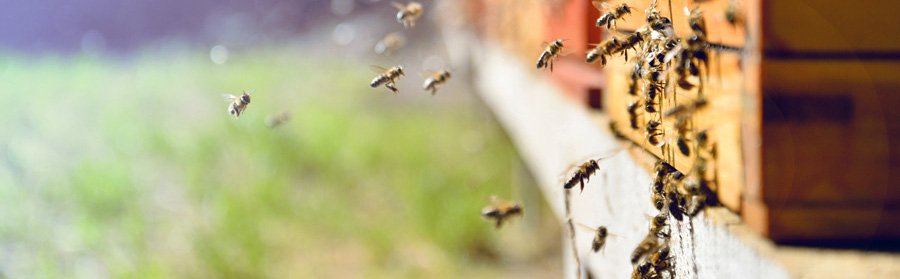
(803, 116)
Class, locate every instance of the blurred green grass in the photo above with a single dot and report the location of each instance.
(132, 168)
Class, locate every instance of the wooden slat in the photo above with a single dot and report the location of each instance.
(831, 26)
(722, 118)
(835, 143)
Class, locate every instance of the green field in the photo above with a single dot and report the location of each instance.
(132, 168)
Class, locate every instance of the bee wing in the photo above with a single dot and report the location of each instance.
(544, 44)
(428, 73)
(398, 5)
(583, 226)
(229, 97)
(377, 69)
(600, 5)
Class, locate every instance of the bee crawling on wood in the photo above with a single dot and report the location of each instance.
(437, 78)
(238, 104)
(409, 13)
(614, 13)
(387, 77)
(499, 210)
(661, 259)
(551, 52)
(584, 172)
(658, 226)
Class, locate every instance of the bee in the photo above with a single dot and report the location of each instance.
(615, 13)
(390, 43)
(682, 142)
(603, 50)
(663, 169)
(676, 203)
(409, 13)
(660, 259)
(438, 78)
(551, 51)
(238, 104)
(696, 21)
(388, 77)
(657, 226)
(644, 271)
(584, 172)
(500, 210)
(646, 246)
(633, 79)
(599, 239)
(632, 114)
(630, 42)
(731, 13)
(276, 120)
(683, 109)
(653, 132)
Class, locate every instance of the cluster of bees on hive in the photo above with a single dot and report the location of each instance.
(661, 63)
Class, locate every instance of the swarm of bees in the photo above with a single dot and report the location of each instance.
(500, 210)
(407, 15)
(663, 63)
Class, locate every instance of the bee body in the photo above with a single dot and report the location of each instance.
(388, 78)
(409, 13)
(432, 83)
(238, 104)
(550, 52)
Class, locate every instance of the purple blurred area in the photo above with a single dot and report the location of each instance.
(37, 26)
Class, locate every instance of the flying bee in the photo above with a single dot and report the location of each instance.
(602, 50)
(436, 79)
(390, 43)
(409, 13)
(388, 77)
(500, 210)
(584, 172)
(630, 42)
(600, 234)
(238, 104)
(646, 246)
(613, 14)
(551, 52)
(696, 21)
(275, 120)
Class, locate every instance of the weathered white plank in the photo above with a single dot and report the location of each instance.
(552, 133)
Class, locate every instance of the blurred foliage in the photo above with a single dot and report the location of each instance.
(133, 168)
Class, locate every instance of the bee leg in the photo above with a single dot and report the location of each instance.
(582, 185)
(551, 64)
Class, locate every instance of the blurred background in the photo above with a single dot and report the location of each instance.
(118, 157)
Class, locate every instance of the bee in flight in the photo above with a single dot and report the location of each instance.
(583, 173)
(614, 13)
(499, 210)
(388, 77)
(551, 52)
(238, 104)
(390, 43)
(409, 13)
(437, 78)
(275, 120)
(602, 50)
